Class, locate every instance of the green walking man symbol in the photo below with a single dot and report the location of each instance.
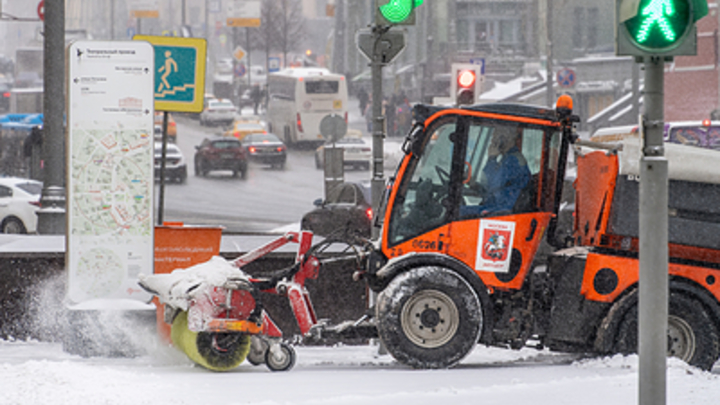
(166, 70)
(657, 13)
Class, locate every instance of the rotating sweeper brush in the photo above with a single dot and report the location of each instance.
(216, 312)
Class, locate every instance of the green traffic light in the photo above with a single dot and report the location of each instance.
(660, 24)
(397, 11)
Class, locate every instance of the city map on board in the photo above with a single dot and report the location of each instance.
(112, 183)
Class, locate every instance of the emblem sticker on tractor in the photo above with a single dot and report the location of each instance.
(494, 246)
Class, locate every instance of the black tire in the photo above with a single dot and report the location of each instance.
(692, 337)
(429, 317)
(282, 360)
(13, 225)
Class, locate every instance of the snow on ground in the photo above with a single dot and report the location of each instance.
(41, 373)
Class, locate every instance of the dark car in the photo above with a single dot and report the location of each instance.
(347, 212)
(4, 97)
(220, 153)
(265, 149)
(175, 167)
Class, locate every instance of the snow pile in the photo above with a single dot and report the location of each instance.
(182, 285)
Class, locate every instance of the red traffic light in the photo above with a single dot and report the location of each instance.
(466, 78)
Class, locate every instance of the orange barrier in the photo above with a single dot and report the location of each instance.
(179, 246)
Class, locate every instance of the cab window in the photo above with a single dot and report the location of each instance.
(418, 205)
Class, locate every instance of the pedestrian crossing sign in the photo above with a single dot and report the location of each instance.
(179, 72)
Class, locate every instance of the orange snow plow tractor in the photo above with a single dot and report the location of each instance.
(458, 261)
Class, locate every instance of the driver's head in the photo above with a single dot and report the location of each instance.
(504, 138)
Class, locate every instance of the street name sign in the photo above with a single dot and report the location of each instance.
(243, 13)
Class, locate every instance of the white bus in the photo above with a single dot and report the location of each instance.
(299, 98)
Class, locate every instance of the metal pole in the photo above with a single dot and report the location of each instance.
(51, 217)
(139, 26)
(653, 305)
(161, 194)
(377, 183)
(112, 20)
(249, 67)
(182, 14)
(550, 94)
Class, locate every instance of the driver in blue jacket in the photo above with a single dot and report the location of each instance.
(504, 176)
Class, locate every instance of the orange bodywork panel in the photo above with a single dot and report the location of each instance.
(597, 174)
(624, 271)
(594, 190)
(468, 246)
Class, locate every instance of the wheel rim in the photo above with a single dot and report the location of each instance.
(430, 319)
(12, 226)
(681, 338)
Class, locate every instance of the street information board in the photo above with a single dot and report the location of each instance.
(243, 13)
(179, 72)
(110, 169)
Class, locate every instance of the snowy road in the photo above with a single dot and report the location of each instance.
(41, 373)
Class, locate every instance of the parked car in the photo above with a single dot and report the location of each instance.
(347, 212)
(243, 127)
(218, 111)
(265, 149)
(175, 165)
(357, 153)
(171, 128)
(220, 153)
(19, 202)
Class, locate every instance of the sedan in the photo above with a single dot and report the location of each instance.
(266, 149)
(345, 214)
(357, 153)
(216, 111)
(243, 127)
(175, 166)
(19, 202)
(220, 153)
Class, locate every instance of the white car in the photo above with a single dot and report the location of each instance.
(175, 166)
(358, 153)
(19, 202)
(218, 111)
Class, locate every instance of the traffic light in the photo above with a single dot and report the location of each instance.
(658, 27)
(466, 83)
(396, 12)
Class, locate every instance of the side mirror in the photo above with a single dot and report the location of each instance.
(318, 202)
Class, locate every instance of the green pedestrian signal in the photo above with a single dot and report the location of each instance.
(658, 27)
(660, 23)
(396, 12)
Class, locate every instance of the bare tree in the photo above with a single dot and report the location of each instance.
(265, 37)
(291, 26)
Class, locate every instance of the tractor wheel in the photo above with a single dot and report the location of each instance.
(429, 317)
(280, 357)
(691, 335)
(214, 351)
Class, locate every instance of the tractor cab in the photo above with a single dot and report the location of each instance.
(481, 184)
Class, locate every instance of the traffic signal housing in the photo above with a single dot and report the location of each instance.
(396, 12)
(466, 84)
(658, 27)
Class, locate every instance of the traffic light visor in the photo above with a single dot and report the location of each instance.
(466, 78)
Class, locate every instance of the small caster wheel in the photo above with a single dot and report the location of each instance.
(280, 357)
(258, 351)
